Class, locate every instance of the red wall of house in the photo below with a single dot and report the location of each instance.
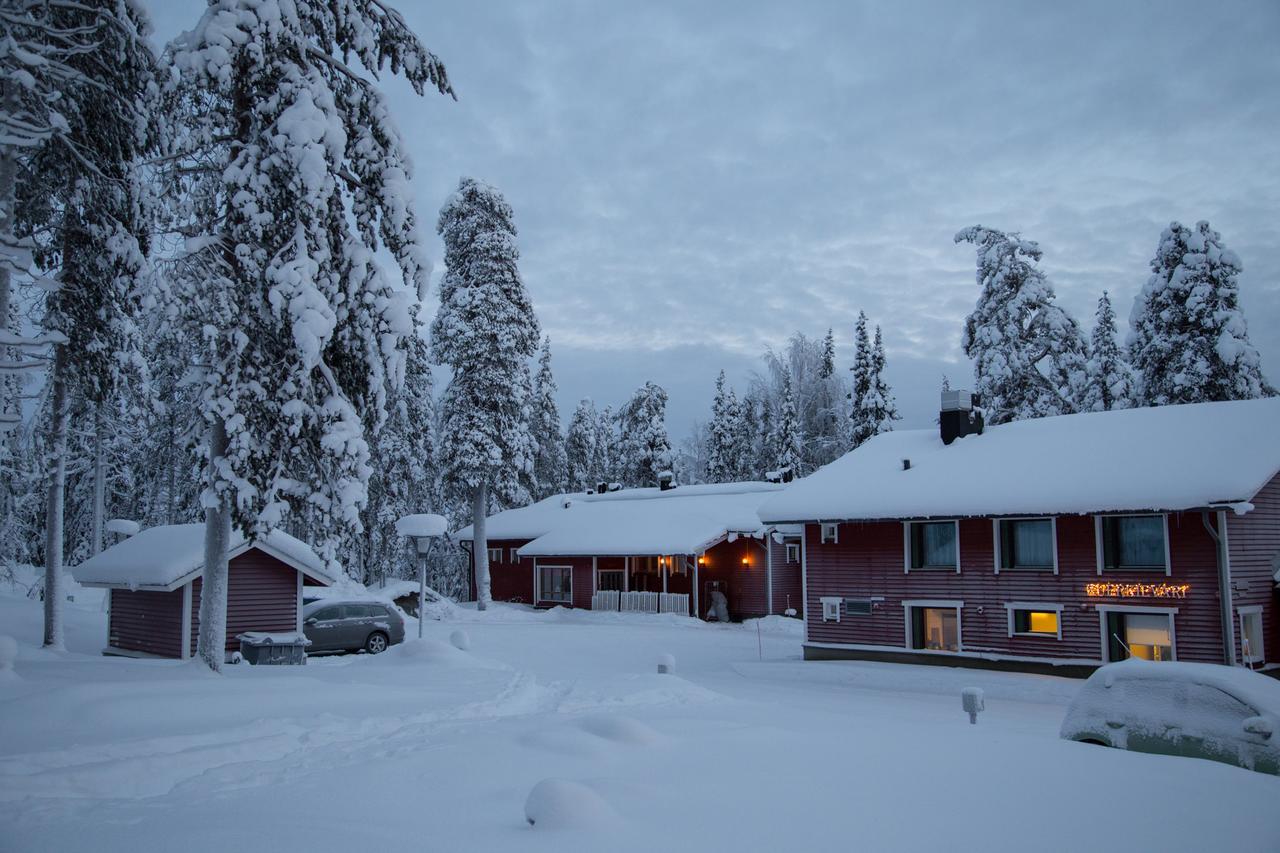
(787, 581)
(1253, 543)
(868, 562)
(747, 585)
(145, 621)
(510, 580)
(262, 595)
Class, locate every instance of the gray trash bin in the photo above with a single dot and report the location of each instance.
(282, 647)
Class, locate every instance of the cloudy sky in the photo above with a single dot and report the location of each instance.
(695, 182)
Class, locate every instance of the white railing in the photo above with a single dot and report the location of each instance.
(673, 602)
(605, 599)
(640, 602)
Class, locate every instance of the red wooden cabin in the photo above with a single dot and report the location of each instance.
(1058, 543)
(154, 581)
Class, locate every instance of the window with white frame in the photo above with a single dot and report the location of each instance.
(1133, 543)
(1035, 620)
(1025, 543)
(830, 609)
(793, 552)
(555, 583)
(495, 555)
(1140, 634)
(933, 545)
(515, 555)
(830, 533)
(1251, 643)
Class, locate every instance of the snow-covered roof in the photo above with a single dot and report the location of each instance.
(166, 557)
(1164, 458)
(633, 522)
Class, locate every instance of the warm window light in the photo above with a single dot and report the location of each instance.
(1044, 622)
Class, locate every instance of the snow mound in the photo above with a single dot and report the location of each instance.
(461, 640)
(559, 804)
(633, 691)
(619, 729)
(777, 625)
(425, 651)
(666, 663)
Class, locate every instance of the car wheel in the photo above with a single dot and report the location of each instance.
(376, 644)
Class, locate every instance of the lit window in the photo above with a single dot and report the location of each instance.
(935, 628)
(1141, 635)
(830, 533)
(830, 609)
(1133, 542)
(1251, 637)
(1025, 543)
(793, 552)
(1036, 622)
(933, 544)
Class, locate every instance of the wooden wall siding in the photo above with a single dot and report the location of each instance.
(746, 584)
(1253, 541)
(510, 581)
(144, 621)
(786, 581)
(868, 562)
(262, 595)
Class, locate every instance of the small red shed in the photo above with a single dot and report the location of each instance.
(154, 581)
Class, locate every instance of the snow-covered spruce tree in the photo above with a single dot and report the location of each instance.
(861, 385)
(80, 201)
(485, 331)
(1111, 380)
(289, 176)
(402, 460)
(608, 459)
(580, 448)
(1188, 340)
(826, 442)
(549, 464)
(725, 455)
(787, 440)
(1029, 355)
(879, 410)
(645, 446)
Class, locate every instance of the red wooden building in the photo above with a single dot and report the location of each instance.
(1058, 543)
(154, 582)
(647, 549)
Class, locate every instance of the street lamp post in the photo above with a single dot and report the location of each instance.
(423, 530)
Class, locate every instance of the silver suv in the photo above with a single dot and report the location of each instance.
(349, 626)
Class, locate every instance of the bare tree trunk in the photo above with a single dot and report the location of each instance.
(9, 412)
(212, 642)
(170, 515)
(99, 481)
(53, 508)
(480, 544)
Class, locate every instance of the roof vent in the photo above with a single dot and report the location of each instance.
(906, 464)
(961, 415)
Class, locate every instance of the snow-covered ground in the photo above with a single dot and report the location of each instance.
(431, 748)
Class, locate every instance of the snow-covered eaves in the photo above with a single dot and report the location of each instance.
(165, 558)
(1167, 458)
(634, 522)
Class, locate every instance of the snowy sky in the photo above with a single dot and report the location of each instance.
(693, 182)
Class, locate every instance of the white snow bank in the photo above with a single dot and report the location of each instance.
(560, 804)
(1095, 462)
(8, 654)
(427, 651)
(621, 730)
(168, 556)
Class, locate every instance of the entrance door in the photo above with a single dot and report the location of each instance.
(1141, 635)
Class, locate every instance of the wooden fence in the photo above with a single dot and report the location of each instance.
(640, 602)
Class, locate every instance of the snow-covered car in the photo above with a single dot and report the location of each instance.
(351, 626)
(1198, 710)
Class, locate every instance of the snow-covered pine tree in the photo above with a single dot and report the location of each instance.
(725, 455)
(1111, 380)
(758, 418)
(403, 461)
(859, 430)
(609, 459)
(645, 445)
(1029, 355)
(826, 442)
(289, 177)
(1188, 340)
(879, 410)
(787, 441)
(746, 465)
(80, 201)
(549, 463)
(485, 331)
(580, 448)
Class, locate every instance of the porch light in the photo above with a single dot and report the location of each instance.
(746, 561)
(702, 561)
